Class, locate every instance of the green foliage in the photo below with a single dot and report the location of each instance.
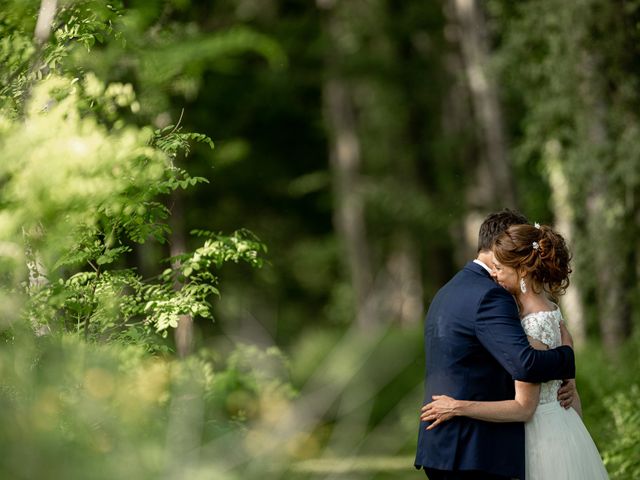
(78, 24)
(171, 141)
(609, 393)
(571, 79)
(623, 455)
(81, 184)
(164, 307)
(167, 54)
(371, 384)
(168, 59)
(50, 184)
(104, 204)
(92, 150)
(75, 410)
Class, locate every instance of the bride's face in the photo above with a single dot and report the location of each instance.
(506, 276)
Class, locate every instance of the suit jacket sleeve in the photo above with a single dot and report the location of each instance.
(498, 329)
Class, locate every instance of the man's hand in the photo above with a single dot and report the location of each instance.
(567, 393)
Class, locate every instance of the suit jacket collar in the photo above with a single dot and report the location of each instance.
(477, 269)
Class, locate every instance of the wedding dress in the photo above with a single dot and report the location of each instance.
(557, 444)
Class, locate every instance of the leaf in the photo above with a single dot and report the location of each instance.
(104, 259)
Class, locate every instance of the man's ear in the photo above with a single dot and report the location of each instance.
(489, 259)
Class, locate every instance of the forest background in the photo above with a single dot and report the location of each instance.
(221, 222)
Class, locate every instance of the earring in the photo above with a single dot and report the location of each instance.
(523, 286)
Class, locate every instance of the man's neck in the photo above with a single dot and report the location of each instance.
(485, 257)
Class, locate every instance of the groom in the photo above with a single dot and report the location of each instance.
(475, 349)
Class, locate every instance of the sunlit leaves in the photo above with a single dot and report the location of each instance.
(63, 169)
(90, 183)
(79, 23)
(219, 249)
(171, 140)
(194, 274)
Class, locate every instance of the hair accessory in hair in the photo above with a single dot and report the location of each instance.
(536, 245)
(537, 225)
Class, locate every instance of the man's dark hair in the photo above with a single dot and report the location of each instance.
(495, 224)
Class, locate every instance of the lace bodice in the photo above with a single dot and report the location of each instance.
(545, 327)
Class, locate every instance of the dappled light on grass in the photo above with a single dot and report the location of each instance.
(83, 401)
(360, 464)
(340, 411)
(107, 406)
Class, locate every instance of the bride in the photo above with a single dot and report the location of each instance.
(532, 262)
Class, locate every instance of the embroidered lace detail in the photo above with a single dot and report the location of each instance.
(545, 327)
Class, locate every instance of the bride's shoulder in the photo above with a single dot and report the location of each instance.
(554, 314)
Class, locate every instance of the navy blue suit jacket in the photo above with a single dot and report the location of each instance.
(475, 347)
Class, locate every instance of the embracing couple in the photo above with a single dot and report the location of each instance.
(497, 351)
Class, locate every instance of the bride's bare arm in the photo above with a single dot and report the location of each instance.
(568, 393)
(565, 336)
(520, 409)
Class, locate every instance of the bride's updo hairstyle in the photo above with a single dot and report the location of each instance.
(540, 251)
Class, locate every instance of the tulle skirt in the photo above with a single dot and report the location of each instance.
(559, 447)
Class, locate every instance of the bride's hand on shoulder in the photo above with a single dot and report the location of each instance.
(441, 409)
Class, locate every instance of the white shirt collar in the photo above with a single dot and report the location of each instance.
(483, 265)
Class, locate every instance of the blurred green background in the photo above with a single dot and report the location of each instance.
(222, 222)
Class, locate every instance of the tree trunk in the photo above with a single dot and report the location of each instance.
(183, 334)
(349, 204)
(344, 161)
(471, 105)
(571, 302)
(457, 123)
(606, 232)
(37, 279)
(45, 19)
(494, 179)
(46, 15)
(404, 282)
(37, 271)
(391, 121)
(610, 263)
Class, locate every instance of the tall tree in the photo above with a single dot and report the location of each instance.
(345, 160)
(37, 270)
(490, 180)
(581, 105)
(493, 183)
(388, 123)
(183, 333)
(564, 213)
